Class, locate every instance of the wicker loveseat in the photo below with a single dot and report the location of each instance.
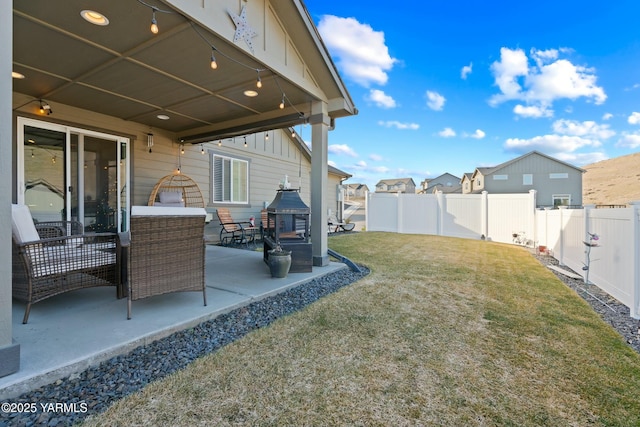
(51, 258)
(164, 252)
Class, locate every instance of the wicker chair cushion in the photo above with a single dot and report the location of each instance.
(63, 259)
(171, 197)
(22, 224)
(166, 211)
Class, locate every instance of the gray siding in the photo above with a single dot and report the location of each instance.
(540, 168)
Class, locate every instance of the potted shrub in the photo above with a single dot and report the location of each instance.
(279, 262)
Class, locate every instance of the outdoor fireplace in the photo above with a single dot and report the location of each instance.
(288, 224)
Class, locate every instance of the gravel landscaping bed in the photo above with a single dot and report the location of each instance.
(93, 390)
(610, 309)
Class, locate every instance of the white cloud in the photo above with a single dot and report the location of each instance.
(435, 101)
(341, 149)
(550, 78)
(375, 157)
(634, 118)
(447, 133)
(581, 159)
(478, 134)
(588, 128)
(466, 70)
(532, 111)
(629, 140)
(381, 99)
(360, 51)
(361, 164)
(399, 125)
(332, 163)
(607, 116)
(550, 143)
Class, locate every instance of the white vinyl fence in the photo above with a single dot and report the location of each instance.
(614, 265)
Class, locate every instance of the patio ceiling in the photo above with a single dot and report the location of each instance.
(125, 71)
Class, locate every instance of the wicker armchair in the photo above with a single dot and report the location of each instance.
(164, 252)
(51, 258)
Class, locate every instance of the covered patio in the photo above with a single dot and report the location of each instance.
(70, 332)
(112, 106)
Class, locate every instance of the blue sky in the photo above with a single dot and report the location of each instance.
(447, 86)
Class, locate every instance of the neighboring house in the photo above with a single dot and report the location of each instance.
(399, 185)
(356, 190)
(557, 183)
(447, 183)
(466, 184)
(116, 107)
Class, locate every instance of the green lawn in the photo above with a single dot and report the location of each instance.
(442, 332)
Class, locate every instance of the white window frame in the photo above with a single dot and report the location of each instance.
(527, 179)
(500, 177)
(562, 175)
(227, 193)
(555, 197)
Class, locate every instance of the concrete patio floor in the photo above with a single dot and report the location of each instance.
(70, 332)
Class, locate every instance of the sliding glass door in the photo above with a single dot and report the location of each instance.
(66, 173)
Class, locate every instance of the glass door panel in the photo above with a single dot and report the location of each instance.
(44, 173)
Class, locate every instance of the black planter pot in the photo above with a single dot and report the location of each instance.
(279, 263)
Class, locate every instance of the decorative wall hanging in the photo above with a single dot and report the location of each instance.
(243, 30)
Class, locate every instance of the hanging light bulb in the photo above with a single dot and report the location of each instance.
(259, 81)
(181, 148)
(245, 141)
(282, 103)
(202, 149)
(32, 155)
(219, 143)
(154, 23)
(214, 64)
(266, 137)
(293, 133)
(53, 160)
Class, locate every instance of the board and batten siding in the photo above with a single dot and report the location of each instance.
(540, 168)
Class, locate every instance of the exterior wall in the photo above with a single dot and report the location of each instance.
(467, 185)
(540, 168)
(269, 161)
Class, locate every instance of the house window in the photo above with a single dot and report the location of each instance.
(561, 200)
(230, 180)
(527, 179)
(478, 182)
(500, 177)
(558, 175)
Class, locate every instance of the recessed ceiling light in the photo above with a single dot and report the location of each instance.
(250, 93)
(17, 75)
(94, 17)
(162, 117)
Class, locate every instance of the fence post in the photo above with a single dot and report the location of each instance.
(561, 254)
(484, 214)
(532, 212)
(441, 213)
(366, 210)
(635, 248)
(400, 224)
(587, 229)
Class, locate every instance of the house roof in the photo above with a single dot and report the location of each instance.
(395, 181)
(124, 71)
(488, 171)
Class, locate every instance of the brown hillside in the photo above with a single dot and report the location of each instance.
(612, 182)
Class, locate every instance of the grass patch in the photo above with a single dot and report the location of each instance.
(442, 332)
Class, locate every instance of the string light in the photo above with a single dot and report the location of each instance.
(219, 143)
(245, 141)
(181, 148)
(282, 103)
(214, 64)
(202, 149)
(266, 137)
(259, 81)
(154, 23)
